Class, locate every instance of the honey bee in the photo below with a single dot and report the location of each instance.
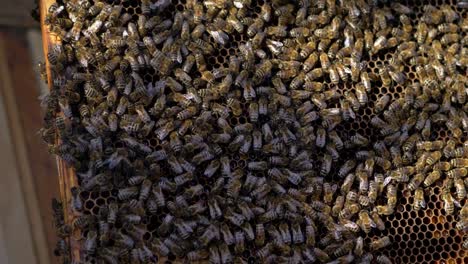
(377, 220)
(127, 193)
(321, 255)
(382, 259)
(351, 197)
(464, 211)
(459, 162)
(381, 103)
(457, 173)
(380, 243)
(365, 222)
(356, 68)
(77, 203)
(338, 205)
(432, 178)
(329, 191)
(355, 104)
(359, 140)
(402, 9)
(215, 256)
(396, 76)
(347, 184)
(210, 233)
(421, 32)
(379, 44)
(239, 247)
(449, 203)
(433, 158)
(460, 152)
(361, 94)
(462, 224)
(184, 91)
(430, 145)
(460, 188)
(442, 166)
(334, 74)
(363, 182)
(264, 70)
(349, 211)
(419, 199)
(307, 52)
(324, 61)
(90, 243)
(449, 38)
(384, 209)
(449, 148)
(219, 36)
(460, 94)
(326, 165)
(314, 74)
(244, 149)
(385, 76)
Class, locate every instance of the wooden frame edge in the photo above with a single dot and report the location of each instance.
(67, 177)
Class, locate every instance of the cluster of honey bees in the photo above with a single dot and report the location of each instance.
(248, 162)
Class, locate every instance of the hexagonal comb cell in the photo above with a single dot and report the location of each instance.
(428, 235)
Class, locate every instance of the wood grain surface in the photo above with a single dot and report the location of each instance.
(35, 166)
(17, 13)
(66, 175)
(19, 217)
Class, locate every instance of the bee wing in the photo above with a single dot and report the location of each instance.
(347, 70)
(274, 46)
(423, 203)
(219, 36)
(239, 4)
(387, 181)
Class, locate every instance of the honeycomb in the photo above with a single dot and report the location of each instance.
(425, 236)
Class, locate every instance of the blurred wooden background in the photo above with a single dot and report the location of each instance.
(17, 13)
(28, 179)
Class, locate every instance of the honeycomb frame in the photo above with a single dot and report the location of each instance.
(425, 236)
